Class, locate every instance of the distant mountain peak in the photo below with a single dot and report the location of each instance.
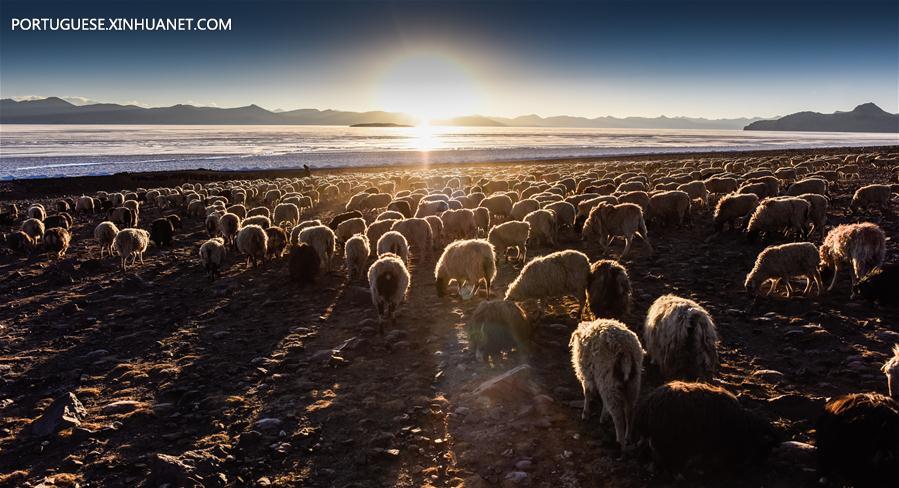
(869, 107)
(866, 117)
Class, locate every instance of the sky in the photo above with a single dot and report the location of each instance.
(714, 59)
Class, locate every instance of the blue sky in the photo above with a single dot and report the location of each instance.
(645, 58)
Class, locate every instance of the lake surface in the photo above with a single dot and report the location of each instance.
(32, 151)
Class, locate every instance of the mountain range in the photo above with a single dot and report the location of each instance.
(867, 117)
(54, 110)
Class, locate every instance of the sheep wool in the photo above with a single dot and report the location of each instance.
(253, 242)
(782, 262)
(863, 246)
(562, 273)
(356, 253)
(131, 243)
(681, 338)
(388, 282)
(212, 256)
(467, 262)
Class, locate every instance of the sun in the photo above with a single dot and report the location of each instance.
(428, 87)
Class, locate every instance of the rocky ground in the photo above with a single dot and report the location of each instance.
(161, 376)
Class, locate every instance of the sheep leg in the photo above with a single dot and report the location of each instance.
(833, 281)
(585, 413)
(818, 283)
(789, 287)
(808, 285)
(620, 421)
(627, 247)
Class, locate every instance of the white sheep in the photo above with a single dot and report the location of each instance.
(56, 241)
(777, 214)
(131, 243)
(467, 262)
(861, 245)
(85, 204)
(562, 273)
(229, 226)
(512, 234)
(349, 228)
(808, 185)
(543, 226)
(608, 361)
(393, 242)
(872, 195)
(287, 212)
(522, 208)
(388, 281)
(459, 224)
(891, 368)
(323, 240)
(418, 234)
(252, 240)
(734, 206)
(295, 232)
(34, 228)
(781, 263)
(212, 256)
(608, 221)
(356, 252)
(670, 207)
(36, 211)
(105, 233)
(681, 338)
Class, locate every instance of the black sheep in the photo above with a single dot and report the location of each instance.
(344, 217)
(609, 291)
(880, 285)
(303, 264)
(162, 232)
(175, 220)
(857, 438)
(61, 220)
(696, 424)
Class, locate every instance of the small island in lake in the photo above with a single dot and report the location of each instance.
(380, 124)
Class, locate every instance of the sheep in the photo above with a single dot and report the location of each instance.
(482, 219)
(124, 217)
(891, 369)
(543, 226)
(389, 215)
(609, 290)
(498, 326)
(388, 281)
(782, 262)
(62, 220)
(696, 190)
(880, 285)
(323, 240)
(295, 232)
(212, 256)
(175, 220)
(466, 262)
(287, 211)
(343, 217)
(608, 221)
(500, 206)
(229, 225)
(522, 208)
(428, 208)
(355, 201)
(349, 228)
(437, 236)
(393, 242)
(356, 253)
(777, 214)
(131, 243)
(565, 213)
(721, 185)
(252, 240)
(511, 234)
(695, 424)
(670, 207)
(562, 273)
(402, 207)
(418, 234)
(375, 201)
(259, 220)
(277, 241)
(303, 264)
(161, 232)
(34, 228)
(808, 185)
(212, 224)
(681, 338)
(733, 206)
(857, 439)
(459, 224)
(377, 229)
(862, 245)
(20, 242)
(758, 189)
(871, 195)
(105, 233)
(608, 360)
(84, 204)
(56, 241)
(36, 211)
(239, 210)
(259, 212)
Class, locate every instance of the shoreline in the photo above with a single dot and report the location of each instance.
(13, 189)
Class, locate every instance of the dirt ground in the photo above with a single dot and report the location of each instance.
(249, 380)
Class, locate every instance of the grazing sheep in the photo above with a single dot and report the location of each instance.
(512, 234)
(377, 229)
(734, 206)
(862, 245)
(162, 232)
(498, 326)
(389, 215)
(780, 263)
(175, 220)
(105, 233)
(375, 201)
(817, 214)
(437, 236)
(808, 185)
(609, 291)
(418, 233)
(402, 207)
(565, 213)
(34, 228)
(891, 368)
(356, 252)
(295, 232)
(562, 273)
(344, 217)
(62, 220)
(252, 240)
(393, 242)
(229, 225)
(277, 241)
(131, 243)
(323, 240)
(760, 190)
(779, 214)
(349, 228)
(56, 241)
(238, 210)
(212, 255)
(857, 438)
(124, 217)
(355, 201)
(608, 360)
(872, 195)
(429, 208)
(212, 224)
(695, 424)
(543, 226)
(681, 338)
(721, 185)
(36, 211)
(670, 207)
(880, 285)
(608, 221)
(500, 206)
(459, 224)
(466, 262)
(482, 219)
(260, 220)
(84, 204)
(696, 190)
(388, 280)
(20, 242)
(522, 208)
(303, 264)
(259, 212)
(287, 211)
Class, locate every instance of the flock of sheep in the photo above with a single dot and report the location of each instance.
(468, 222)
